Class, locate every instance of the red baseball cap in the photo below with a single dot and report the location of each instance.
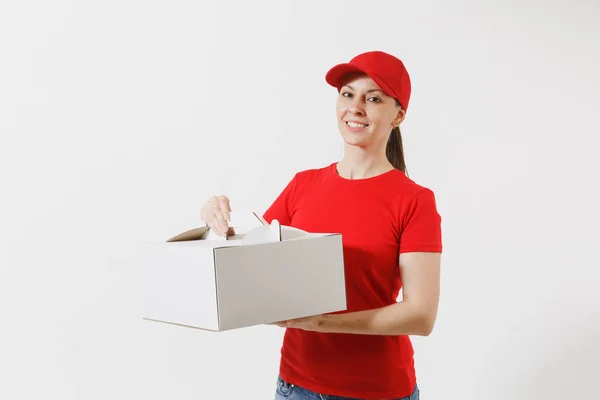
(385, 69)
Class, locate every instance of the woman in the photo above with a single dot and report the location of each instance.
(391, 233)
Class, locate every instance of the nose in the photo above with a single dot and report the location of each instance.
(356, 108)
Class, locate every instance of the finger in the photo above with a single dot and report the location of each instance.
(206, 213)
(216, 224)
(221, 224)
(225, 207)
(212, 223)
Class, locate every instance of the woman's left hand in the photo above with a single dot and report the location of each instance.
(312, 323)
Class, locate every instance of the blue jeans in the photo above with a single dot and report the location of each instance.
(287, 391)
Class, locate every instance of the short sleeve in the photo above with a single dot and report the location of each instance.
(421, 225)
(282, 207)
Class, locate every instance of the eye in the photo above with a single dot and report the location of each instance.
(376, 99)
(346, 94)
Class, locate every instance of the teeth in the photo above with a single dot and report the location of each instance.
(355, 125)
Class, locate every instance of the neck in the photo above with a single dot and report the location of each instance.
(360, 164)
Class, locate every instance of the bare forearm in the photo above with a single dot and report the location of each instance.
(401, 318)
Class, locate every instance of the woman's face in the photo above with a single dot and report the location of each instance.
(365, 114)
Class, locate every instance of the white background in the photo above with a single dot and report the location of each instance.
(119, 119)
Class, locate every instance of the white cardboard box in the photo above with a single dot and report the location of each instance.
(258, 274)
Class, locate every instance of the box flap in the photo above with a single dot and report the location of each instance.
(274, 233)
(264, 234)
(240, 223)
(193, 234)
(249, 229)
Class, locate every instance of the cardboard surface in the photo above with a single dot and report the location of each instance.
(257, 275)
(177, 278)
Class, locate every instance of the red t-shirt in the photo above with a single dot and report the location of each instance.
(379, 218)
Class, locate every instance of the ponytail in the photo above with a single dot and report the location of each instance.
(394, 150)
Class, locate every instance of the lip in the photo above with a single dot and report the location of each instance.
(351, 129)
(356, 122)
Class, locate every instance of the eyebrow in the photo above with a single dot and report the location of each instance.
(368, 91)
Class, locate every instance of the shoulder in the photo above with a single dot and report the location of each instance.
(407, 190)
(414, 199)
(313, 174)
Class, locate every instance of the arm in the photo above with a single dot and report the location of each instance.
(414, 315)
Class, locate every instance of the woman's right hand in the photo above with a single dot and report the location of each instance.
(215, 213)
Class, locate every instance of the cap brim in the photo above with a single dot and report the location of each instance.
(335, 77)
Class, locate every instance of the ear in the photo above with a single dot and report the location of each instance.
(399, 118)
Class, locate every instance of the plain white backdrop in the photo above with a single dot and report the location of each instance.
(119, 119)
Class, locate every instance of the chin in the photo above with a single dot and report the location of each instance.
(354, 141)
(354, 138)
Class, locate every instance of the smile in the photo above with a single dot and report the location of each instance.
(356, 125)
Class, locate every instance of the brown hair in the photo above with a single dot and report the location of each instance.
(394, 150)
